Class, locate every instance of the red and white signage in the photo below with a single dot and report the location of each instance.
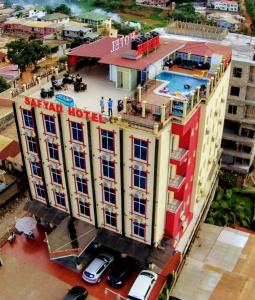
(123, 41)
(72, 111)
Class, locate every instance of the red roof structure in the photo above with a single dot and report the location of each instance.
(166, 47)
(206, 49)
(11, 150)
(125, 57)
(97, 49)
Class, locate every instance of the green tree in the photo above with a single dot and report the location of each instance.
(49, 9)
(64, 9)
(4, 85)
(24, 53)
(8, 3)
(227, 179)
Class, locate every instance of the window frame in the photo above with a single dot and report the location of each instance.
(134, 147)
(139, 205)
(56, 174)
(237, 72)
(24, 119)
(49, 151)
(111, 194)
(112, 139)
(232, 88)
(81, 183)
(45, 122)
(138, 223)
(71, 128)
(62, 195)
(232, 109)
(106, 211)
(38, 167)
(85, 207)
(105, 163)
(74, 160)
(139, 176)
(41, 187)
(32, 140)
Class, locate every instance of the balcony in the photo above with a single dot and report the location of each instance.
(178, 156)
(174, 206)
(176, 183)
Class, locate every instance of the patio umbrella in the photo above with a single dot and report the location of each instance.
(25, 224)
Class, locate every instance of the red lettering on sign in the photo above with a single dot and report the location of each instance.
(101, 120)
(46, 104)
(39, 103)
(59, 108)
(27, 101)
(51, 106)
(33, 102)
(79, 113)
(87, 113)
(94, 117)
(71, 111)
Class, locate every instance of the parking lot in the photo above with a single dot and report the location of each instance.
(34, 255)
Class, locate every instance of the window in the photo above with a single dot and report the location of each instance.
(32, 145)
(139, 205)
(56, 176)
(234, 91)
(108, 168)
(53, 151)
(139, 228)
(82, 185)
(79, 159)
(107, 138)
(237, 72)
(109, 195)
(232, 109)
(140, 149)
(40, 191)
(49, 122)
(28, 118)
(60, 199)
(84, 208)
(77, 132)
(36, 169)
(140, 178)
(110, 218)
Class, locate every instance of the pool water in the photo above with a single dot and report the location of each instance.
(177, 82)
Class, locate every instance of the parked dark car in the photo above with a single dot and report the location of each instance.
(76, 293)
(122, 270)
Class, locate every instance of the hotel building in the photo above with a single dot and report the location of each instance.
(139, 174)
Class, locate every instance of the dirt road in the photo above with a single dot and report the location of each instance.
(248, 21)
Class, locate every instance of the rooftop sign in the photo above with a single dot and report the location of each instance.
(58, 108)
(123, 41)
(66, 100)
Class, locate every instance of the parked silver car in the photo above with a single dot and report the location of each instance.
(95, 270)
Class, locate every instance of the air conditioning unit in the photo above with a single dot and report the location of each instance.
(105, 157)
(136, 167)
(136, 195)
(108, 185)
(32, 158)
(50, 140)
(28, 133)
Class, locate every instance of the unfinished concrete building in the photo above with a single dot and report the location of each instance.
(238, 140)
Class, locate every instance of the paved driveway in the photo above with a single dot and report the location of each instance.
(22, 281)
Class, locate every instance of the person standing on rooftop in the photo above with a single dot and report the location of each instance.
(110, 107)
(102, 105)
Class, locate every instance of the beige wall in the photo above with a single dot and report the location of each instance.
(210, 134)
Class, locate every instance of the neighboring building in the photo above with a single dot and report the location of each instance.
(94, 19)
(10, 72)
(24, 28)
(56, 18)
(239, 129)
(139, 176)
(10, 156)
(225, 5)
(226, 20)
(36, 13)
(74, 32)
(219, 265)
(153, 3)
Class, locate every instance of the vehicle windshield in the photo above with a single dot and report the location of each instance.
(104, 258)
(147, 274)
(89, 274)
(132, 298)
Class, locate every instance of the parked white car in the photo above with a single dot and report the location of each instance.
(95, 270)
(143, 285)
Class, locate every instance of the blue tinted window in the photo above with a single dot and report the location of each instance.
(107, 138)
(50, 124)
(77, 132)
(140, 149)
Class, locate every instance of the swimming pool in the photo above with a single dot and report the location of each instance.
(178, 83)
